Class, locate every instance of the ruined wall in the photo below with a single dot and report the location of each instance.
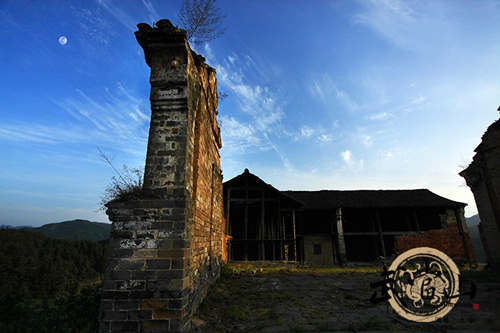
(166, 244)
(483, 178)
(207, 248)
(453, 239)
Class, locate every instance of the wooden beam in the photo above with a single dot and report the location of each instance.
(384, 233)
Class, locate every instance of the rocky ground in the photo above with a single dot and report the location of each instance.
(286, 298)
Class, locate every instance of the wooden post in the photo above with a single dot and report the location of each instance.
(262, 255)
(284, 237)
(279, 232)
(341, 252)
(415, 219)
(228, 223)
(294, 236)
(381, 236)
(245, 233)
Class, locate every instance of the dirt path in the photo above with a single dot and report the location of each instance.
(288, 299)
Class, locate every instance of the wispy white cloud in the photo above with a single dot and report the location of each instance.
(94, 26)
(417, 100)
(239, 137)
(153, 15)
(325, 138)
(117, 117)
(351, 163)
(411, 25)
(26, 133)
(325, 88)
(367, 140)
(119, 14)
(306, 131)
(346, 156)
(380, 116)
(258, 124)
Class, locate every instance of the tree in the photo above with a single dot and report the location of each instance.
(202, 20)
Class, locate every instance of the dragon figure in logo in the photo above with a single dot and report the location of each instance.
(419, 284)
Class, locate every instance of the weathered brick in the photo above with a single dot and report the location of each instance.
(125, 326)
(130, 285)
(113, 294)
(156, 326)
(143, 275)
(170, 274)
(126, 304)
(158, 264)
(140, 315)
(115, 315)
(177, 303)
(131, 264)
(120, 275)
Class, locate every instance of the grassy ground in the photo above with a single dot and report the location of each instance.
(245, 299)
(271, 297)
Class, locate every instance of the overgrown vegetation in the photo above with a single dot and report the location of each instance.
(75, 312)
(49, 285)
(125, 185)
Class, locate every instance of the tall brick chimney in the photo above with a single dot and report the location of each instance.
(167, 244)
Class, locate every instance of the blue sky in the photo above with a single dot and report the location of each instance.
(321, 95)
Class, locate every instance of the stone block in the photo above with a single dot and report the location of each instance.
(131, 264)
(124, 326)
(170, 274)
(140, 315)
(126, 304)
(113, 294)
(156, 326)
(143, 275)
(130, 285)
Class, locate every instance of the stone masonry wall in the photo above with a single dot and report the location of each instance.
(483, 178)
(167, 244)
(449, 239)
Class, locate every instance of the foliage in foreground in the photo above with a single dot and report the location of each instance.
(77, 312)
(49, 285)
(40, 267)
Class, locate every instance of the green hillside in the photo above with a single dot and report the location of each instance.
(75, 230)
(49, 285)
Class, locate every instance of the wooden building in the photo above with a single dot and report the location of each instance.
(335, 227)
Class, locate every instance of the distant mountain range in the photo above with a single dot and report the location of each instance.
(96, 231)
(73, 230)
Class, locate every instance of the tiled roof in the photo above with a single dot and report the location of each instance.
(327, 199)
(330, 199)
